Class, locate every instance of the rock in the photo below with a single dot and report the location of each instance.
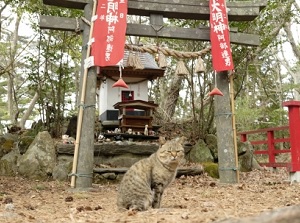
(212, 169)
(99, 179)
(63, 168)
(61, 171)
(212, 143)
(247, 161)
(8, 163)
(24, 143)
(112, 149)
(7, 143)
(104, 178)
(40, 158)
(200, 153)
(109, 176)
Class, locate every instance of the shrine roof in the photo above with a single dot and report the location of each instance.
(150, 71)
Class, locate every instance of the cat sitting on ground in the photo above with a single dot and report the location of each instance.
(143, 184)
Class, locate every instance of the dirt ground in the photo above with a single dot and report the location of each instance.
(189, 199)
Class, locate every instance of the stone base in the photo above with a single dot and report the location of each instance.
(295, 177)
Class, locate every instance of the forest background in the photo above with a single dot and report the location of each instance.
(40, 71)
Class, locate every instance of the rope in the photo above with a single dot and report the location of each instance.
(224, 113)
(155, 49)
(228, 168)
(84, 106)
(86, 21)
(77, 29)
(167, 51)
(88, 175)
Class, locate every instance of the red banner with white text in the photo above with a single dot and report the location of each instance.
(109, 34)
(219, 36)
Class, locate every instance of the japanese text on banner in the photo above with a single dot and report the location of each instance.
(219, 36)
(109, 32)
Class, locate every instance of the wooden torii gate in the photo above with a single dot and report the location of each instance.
(157, 11)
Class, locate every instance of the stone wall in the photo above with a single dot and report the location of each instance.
(114, 156)
(44, 158)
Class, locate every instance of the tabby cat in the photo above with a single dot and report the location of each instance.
(144, 183)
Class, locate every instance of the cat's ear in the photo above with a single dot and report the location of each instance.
(181, 140)
(162, 140)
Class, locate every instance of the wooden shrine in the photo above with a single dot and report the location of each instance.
(129, 120)
(136, 79)
(157, 11)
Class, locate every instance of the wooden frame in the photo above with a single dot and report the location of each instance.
(180, 9)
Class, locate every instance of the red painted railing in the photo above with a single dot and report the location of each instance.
(270, 141)
(293, 133)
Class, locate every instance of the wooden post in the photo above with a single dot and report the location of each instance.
(243, 137)
(294, 123)
(271, 147)
(85, 132)
(223, 116)
(234, 125)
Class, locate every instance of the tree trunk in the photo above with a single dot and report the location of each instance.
(1, 11)
(11, 102)
(168, 105)
(296, 75)
(28, 110)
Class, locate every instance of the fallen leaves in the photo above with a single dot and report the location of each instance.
(69, 199)
(7, 200)
(188, 199)
(185, 215)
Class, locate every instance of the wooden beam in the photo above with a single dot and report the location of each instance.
(180, 9)
(72, 4)
(201, 34)
(186, 171)
(60, 23)
(194, 9)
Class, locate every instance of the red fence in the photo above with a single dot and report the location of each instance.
(270, 140)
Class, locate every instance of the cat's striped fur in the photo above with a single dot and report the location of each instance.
(144, 183)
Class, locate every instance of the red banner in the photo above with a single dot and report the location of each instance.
(219, 36)
(109, 32)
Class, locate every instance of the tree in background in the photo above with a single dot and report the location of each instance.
(44, 70)
(260, 83)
